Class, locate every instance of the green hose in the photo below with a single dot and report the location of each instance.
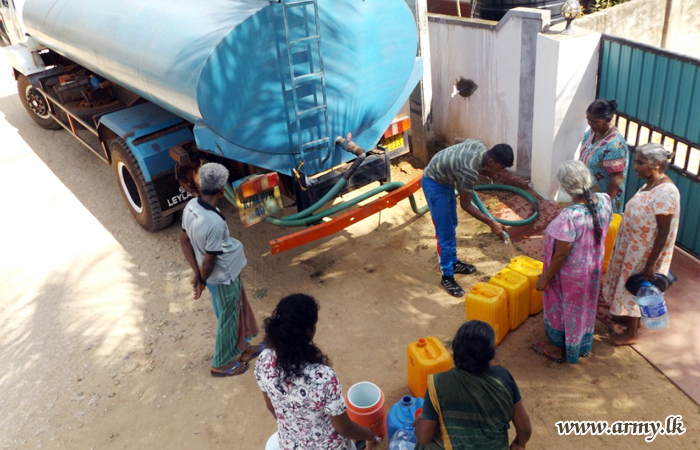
(287, 222)
(502, 187)
(330, 195)
(306, 218)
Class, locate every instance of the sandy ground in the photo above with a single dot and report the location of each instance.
(102, 346)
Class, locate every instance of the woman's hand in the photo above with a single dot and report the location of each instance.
(351, 430)
(562, 249)
(649, 273)
(663, 222)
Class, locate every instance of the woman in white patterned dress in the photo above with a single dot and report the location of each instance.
(646, 238)
(300, 388)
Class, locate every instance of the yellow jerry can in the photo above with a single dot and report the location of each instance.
(517, 286)
(489, 303)
(424, 357)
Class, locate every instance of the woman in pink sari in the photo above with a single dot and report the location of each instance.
(574, 250)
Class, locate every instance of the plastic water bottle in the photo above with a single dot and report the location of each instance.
(652, 305)
(402, 411)
(403, 439)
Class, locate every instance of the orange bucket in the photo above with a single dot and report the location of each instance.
(365, 403)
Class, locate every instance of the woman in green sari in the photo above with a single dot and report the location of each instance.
(471, 405)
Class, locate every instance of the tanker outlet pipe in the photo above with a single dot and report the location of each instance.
(348, 146)
(353, 148)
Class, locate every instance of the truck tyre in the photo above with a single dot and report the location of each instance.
(140, 196)
(36, 104)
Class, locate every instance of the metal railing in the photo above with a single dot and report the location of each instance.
(658, 98)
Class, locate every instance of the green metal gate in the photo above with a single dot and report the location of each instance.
(658, 98)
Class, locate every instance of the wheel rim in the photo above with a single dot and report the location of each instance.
(129, 187)
(37, 102)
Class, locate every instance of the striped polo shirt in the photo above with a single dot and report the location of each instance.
(458, 164)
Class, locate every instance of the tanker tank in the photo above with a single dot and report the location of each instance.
(223, 65)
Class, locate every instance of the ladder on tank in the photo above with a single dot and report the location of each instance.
(307, 38)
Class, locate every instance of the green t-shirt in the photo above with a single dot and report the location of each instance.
(459, 164)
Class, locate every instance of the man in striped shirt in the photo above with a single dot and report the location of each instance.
(459, 166)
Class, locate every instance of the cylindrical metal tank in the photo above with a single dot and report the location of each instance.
(222, 64)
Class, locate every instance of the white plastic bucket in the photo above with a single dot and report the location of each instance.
(273, 443)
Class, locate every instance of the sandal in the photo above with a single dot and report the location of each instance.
(261, 347)
(538, 347)
(239, 368)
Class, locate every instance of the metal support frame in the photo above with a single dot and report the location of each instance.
(344, 220)
(70, 127)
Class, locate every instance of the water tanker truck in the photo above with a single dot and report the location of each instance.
(266, 87)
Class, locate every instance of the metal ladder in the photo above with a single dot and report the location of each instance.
(313, 75)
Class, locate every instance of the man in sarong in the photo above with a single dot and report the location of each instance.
(217, 260)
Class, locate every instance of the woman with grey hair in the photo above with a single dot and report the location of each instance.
(574, 248)
(645, 240)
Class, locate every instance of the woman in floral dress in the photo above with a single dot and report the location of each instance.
(300, 388)
(645, 240)
(574, 250)
(604, 151)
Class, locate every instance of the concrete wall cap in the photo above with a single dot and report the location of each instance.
(462, 21)
(527, 13)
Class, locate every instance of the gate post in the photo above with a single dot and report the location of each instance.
(565, 84)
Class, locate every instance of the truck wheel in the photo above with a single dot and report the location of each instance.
(36, 104)
(140, 196)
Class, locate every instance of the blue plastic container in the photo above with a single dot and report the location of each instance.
(403, 411)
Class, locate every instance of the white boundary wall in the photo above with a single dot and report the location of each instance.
(643, 21)
(534, 87)
(500, 58)
(639, 20)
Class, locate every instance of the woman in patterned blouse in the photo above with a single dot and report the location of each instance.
(300, 388)
(604, 151)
